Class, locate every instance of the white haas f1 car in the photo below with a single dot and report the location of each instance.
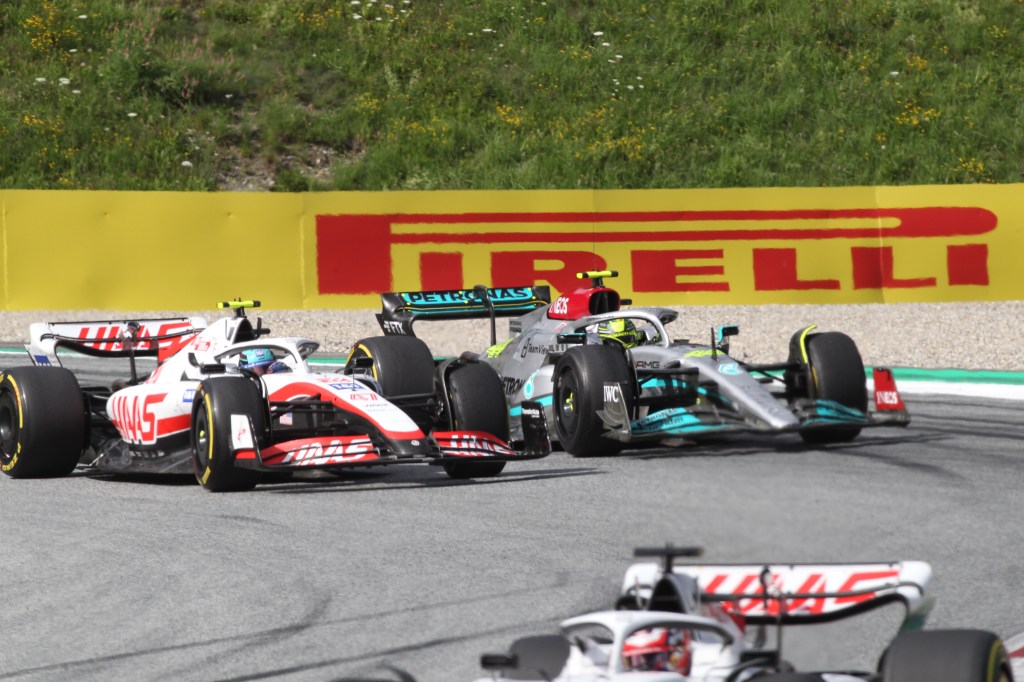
(684, 623)
(609, 376)
(230, 404)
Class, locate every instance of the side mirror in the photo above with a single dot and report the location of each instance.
(725, 331)
(722, 333)
(499, 662)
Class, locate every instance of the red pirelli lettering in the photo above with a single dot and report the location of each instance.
(376, 235)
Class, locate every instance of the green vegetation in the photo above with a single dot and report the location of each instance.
(299, 95)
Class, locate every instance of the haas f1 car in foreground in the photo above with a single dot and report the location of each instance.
(683, 623)
(609, 376)
(229, 404)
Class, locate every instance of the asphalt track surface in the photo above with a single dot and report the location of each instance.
(340, 578)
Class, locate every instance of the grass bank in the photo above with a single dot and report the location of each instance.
(301, 95)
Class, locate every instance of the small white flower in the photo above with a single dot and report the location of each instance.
(639, 78)
(357, 16)
(894, 73)
(64, 81)
(76, 92)
(883, 146)
(598, 33)
(186, 164)
(487, 30)
(132, 114)
(73, 50)
(83, 16)
(228, 96)
(618, 56)
(378, 19)
(355, 2)
(641, 87)
(606, 44)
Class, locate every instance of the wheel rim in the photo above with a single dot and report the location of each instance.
(8, 429)
(568, 392)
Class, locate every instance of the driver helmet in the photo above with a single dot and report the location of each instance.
(257, 358)
(661, 649)
(621, 330)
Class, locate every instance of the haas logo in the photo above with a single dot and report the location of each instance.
(134, 416)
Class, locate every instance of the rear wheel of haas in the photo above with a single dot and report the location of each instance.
(837, 373)
(578, 393)
(402, 365)
(212, 456)
(478, 404)
(946, 656)
(43, 425)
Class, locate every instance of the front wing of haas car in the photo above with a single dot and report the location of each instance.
(375, 449)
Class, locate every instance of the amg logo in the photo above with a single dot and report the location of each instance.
(612, 393)
(648, 364)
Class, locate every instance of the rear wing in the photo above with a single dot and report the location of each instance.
(799, 593)
(159, 338)
(402, 309)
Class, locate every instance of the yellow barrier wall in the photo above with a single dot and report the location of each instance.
(168, 250)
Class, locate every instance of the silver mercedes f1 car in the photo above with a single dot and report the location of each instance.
(610, 376)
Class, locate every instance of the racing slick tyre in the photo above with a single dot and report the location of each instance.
(837, 372)
(478, 403)
(579, 378)
(212, 457)
(43, 424)
(946, 656)
(402, 365)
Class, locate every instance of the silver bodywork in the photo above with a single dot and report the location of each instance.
(526, 365)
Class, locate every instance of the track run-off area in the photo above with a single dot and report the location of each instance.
(355, 577)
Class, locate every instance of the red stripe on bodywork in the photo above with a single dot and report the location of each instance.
(172, 425)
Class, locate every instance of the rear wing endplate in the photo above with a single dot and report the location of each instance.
(799, 593)
(402, 309)
(159, 338)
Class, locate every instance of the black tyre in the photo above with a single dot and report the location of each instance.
(478, 404)
(790, 677)
(837, 374)
(43, 422)
(946, 656)
(212, 457)
(402, 365)
(579, 378)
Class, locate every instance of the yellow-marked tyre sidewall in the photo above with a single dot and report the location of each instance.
(207, 410)
(43, 422)
(12, 422)
(212, 456)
